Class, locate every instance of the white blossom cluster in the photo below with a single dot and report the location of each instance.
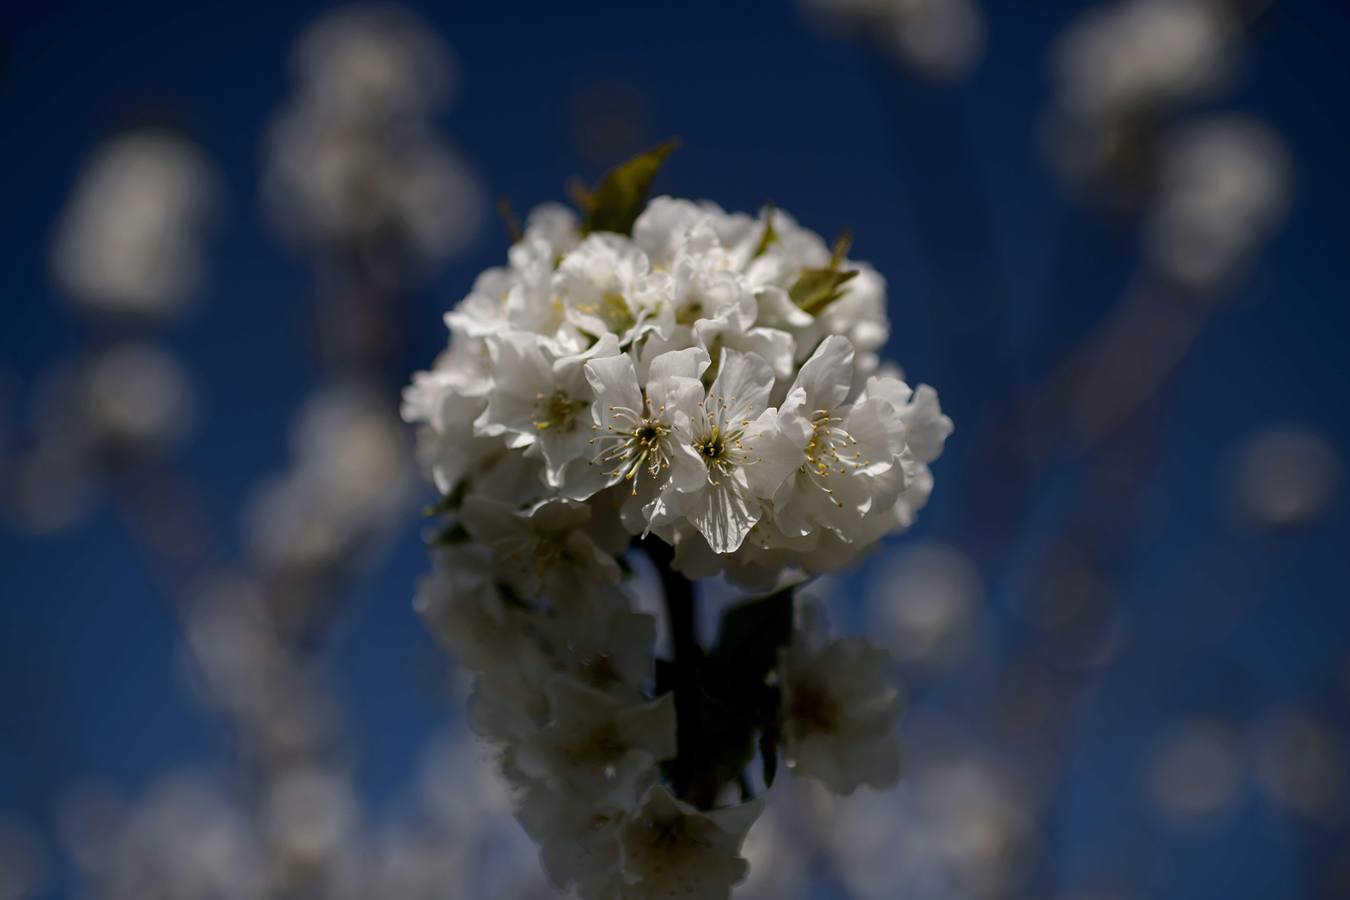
(565, 698)
(713, 379)
(710, 383)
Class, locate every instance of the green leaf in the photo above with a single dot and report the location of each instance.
(816, 289)
(619, 198)
(769, 237)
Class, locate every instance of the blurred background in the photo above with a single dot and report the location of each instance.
(1114, 239)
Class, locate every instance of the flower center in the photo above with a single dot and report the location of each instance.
(602, 748)
(637, 441)
(813, 710)
(556, 411)
(719, 443)
(827, 452)
(613, 310)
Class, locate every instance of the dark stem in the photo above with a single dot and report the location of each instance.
(682, 617)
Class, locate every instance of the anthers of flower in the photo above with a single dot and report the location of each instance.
(635, 443)
(707, 385)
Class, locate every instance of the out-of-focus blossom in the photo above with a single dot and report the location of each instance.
(1302, 764)
(1137, 56)
(1196, 772)
(457, 836)
(187, 840)
(373, 62)
(922, 602)
(309, 822)
(349, 479)
(671, 849)
(353, 162)
(47, 488)
(1071, 603)
(1283, 476)
(939, 39)
(9, 394)
(22, 859)
(132, 402)
(1124, 66)
(133, 236)
(1222, 190)
(954, 827)
(138, 399)
(840, 704)
(243, 668)
(779, 867)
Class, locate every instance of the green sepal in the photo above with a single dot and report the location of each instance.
(816, 289)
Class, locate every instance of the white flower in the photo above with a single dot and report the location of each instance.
(541, 398)
(610, 652)
(735, 435)
(840, 703)
(637, 435)
(603, 283)
(672, 850)
(595, 748)
(462, 604)
(578, 842)
(541, 550)
(842, 447)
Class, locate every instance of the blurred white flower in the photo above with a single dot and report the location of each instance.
(840, 703)
(596, 748)
(922, 603)
(309, 816)
(1223, 189)
(349, 480)
(940, 39)
(47, 488)
(241, 665)
(1196, 773)
(671, 849)
(779, 866)
(1283, 476)
(1121, 69)
(23, 860)
(1302, 764)
(957, 826)
(1136, 56)
(132, 238)
(138, 398)
(373, 62)
(353, 164)
(185, 841)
